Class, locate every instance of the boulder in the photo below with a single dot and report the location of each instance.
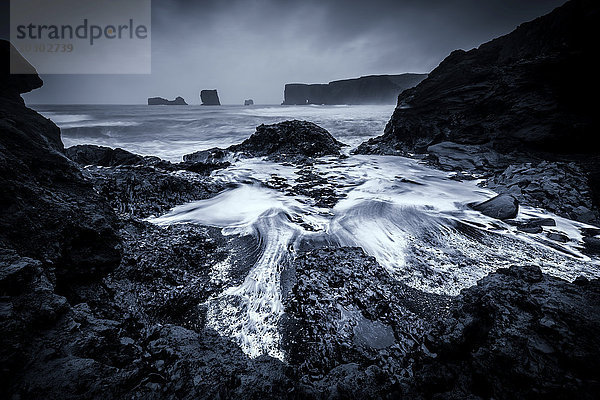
(284, 139)
(210, 98)
(154, 101)
(249, 102)
(503, 206)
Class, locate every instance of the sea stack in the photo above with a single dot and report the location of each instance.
(159, 101)
(249, 102)
(210, 98)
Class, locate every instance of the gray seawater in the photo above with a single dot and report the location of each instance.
(413, 219)
(170, 132)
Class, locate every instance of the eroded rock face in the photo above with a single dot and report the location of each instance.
(102, 156)
(50, 212)
(140, 186)
(517, 333)
(288, 139)
(210, 98)
(527, 90)
(159, 101)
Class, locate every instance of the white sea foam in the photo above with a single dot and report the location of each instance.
(412, 219)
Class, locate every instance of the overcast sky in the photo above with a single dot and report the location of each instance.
(251, 48)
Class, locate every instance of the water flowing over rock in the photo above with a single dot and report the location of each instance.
(374, 89)
(209, 98)
(523, 97)
(156, 101)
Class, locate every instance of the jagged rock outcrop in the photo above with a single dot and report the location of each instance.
(249, 102)
(159, 101)
(50, 212)
(373, 89)
(140, 186)
(102, 156)
(349, 327)
(210, 98)
(517, 334)
(289, 139)
(523, 97)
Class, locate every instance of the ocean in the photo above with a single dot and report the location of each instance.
(170, 132)
(413, 219)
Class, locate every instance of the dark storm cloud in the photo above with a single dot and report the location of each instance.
(251, 48)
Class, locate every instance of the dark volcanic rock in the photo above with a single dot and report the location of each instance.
(521, 98)
(560, 187)
(159, 101)
(348, 321)
(517, 334)
(285, 139)
(142, 186)
(249, 102)
(502, 206)
(210, 98)
(527, 90)
(50, 212)
(102, 156)
(373, 89)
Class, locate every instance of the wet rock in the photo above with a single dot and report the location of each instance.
(460, 157)
(346, 319)
(500, 207)
(518, 333)
(142, 191)
(592, 244)
(532, 225)
(249, 102)
(102, 156)
(557, 237)
(284, 140)
(558, 187)
(530, 228)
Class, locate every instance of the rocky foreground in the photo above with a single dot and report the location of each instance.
(96, 302)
